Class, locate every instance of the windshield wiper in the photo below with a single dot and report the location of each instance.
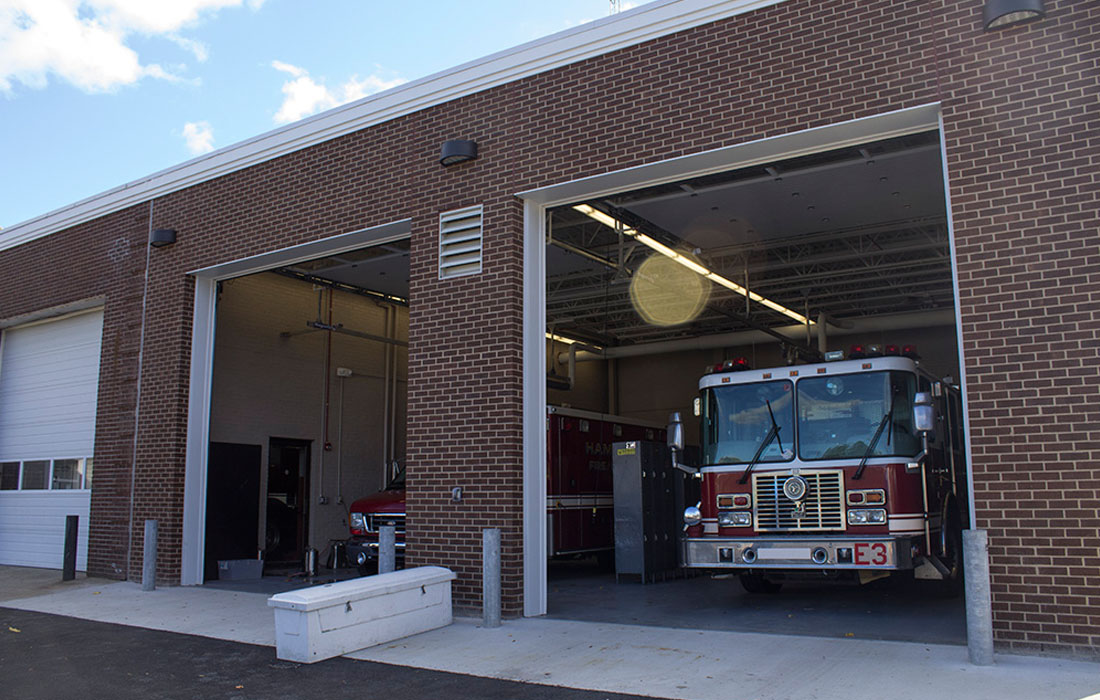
(887, 420)
(773, 433)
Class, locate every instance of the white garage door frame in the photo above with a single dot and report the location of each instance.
(202, 368)
(49, 387)
(537, 202)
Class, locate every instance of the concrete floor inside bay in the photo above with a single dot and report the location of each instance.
(896, 610)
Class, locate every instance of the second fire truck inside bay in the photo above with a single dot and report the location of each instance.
(851, 466)
(579, 502)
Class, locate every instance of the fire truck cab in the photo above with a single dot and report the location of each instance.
(854, 465)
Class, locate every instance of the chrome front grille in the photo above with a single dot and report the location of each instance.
(377, 520)
(822, 506)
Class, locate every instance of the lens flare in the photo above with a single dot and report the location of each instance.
(666, 293)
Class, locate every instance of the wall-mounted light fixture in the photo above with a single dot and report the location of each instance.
(161, 237)
(1005, 13)
(457, 151)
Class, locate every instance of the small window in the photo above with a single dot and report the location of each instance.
(67, 474)
(9, 476)
(35, 474)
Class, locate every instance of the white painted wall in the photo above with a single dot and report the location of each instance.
(267, 386)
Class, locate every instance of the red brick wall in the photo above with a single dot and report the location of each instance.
(1020, 177)
(1022, 132)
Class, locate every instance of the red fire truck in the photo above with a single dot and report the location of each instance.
(852, 466)
(579, 504)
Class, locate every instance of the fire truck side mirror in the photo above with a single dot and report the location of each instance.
(924, 413)
(675, 433)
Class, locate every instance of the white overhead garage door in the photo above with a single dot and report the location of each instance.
(49, 380)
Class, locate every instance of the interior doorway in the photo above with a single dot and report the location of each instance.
(287, 529)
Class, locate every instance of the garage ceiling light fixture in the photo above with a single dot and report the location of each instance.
(611, 222)
(569, 341)
(1006, 13)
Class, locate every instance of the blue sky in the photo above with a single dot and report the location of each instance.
(96, 93)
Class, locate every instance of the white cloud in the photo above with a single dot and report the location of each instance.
(303, 96)
(84, 42)
(199, 137)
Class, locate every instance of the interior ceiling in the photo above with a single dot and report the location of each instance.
(855, 232)
(378, 270)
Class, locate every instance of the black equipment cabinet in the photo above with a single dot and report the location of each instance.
(650, 497)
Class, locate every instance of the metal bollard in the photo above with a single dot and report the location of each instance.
(387, 549)
(979, 605)
(149, 557)
(68, 563)
(490, 577)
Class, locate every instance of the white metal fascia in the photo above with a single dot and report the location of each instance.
(641, 24)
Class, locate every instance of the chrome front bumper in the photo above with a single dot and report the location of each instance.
(846, 552)
(369, 550)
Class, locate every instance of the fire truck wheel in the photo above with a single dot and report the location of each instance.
(757, 584)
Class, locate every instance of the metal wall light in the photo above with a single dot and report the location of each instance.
(162, 237)
(1005, 13)
(457, 151)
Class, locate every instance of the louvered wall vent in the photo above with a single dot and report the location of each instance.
(460, 242)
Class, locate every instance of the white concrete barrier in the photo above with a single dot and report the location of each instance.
(313, 624)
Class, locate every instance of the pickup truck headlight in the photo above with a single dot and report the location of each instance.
(357, 521)
(737, 519)
(867, 516)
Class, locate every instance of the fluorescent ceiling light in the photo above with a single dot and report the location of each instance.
(568, 341)
(611, 222)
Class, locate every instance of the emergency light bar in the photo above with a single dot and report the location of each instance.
(861, 352)
(738, 365)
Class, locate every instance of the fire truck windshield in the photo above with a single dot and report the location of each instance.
(838, 415)
(736, 421)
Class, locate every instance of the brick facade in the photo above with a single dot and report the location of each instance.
(1020, 131)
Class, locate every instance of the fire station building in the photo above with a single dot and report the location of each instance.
(242, 345)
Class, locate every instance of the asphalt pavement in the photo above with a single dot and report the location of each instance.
(93, 638)
(48, 657)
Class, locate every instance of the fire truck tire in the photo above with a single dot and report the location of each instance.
(758, 584)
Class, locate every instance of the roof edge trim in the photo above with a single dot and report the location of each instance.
(638, 25)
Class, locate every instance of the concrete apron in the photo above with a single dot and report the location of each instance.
(655, 661)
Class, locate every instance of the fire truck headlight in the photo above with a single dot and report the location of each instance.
(867, 516)
(357, 521)
(737, 519)
(692, 515)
